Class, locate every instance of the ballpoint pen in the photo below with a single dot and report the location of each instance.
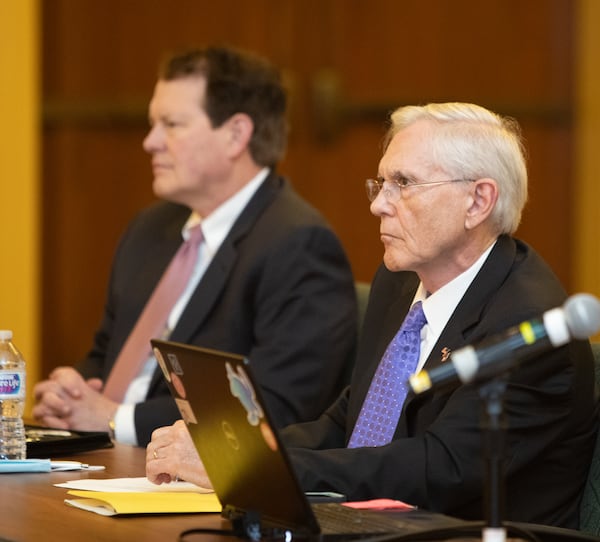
(73, 465)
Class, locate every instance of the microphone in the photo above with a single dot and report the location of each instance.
(578, 318)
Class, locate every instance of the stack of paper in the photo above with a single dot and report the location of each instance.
(110, 497)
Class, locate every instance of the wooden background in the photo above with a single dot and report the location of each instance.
(347, 64)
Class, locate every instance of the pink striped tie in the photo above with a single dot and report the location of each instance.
(153, 319)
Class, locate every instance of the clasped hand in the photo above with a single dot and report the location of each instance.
(67, 401)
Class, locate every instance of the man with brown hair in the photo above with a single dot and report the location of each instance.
(271, 280)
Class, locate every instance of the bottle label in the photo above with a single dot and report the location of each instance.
(12, 385)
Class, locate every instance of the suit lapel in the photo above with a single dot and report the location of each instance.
(460, 329)
(217, 275)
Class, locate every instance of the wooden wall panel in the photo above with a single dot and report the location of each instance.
(99, 69)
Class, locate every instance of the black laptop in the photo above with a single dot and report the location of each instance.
(245, 461)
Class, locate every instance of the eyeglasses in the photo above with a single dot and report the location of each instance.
(392, 191)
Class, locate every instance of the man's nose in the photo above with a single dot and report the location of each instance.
(152, 140)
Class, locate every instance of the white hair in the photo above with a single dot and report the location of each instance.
(471, 142)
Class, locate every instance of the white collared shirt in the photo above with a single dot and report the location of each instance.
(215, 227)
(439, 306)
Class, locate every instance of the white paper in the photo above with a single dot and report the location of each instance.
(92, 505)
(122, 485)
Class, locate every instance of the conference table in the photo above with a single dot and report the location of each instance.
(32, 508)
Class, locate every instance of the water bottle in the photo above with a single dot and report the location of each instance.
(13, 444)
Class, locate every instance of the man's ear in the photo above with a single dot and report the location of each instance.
(484, 195)
(240, 130)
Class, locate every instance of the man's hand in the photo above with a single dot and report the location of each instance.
(171, 455)
(67, 401)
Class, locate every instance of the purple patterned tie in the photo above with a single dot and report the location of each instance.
(381, 409)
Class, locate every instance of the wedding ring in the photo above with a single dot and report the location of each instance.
(154, 454)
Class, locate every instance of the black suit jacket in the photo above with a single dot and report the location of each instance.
(279, 290)
(436, 459)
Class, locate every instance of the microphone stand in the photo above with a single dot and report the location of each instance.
(494, 426)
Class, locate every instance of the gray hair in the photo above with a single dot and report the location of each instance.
(471, 142)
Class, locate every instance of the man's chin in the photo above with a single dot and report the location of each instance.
(168, 193)
(393, 263)
(161, 187)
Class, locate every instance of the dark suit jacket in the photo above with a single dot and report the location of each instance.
(279, 290)
(436, 460)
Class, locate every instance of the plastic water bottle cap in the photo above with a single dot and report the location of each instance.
(5, 335)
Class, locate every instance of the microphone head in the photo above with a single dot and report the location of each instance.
(582, 314)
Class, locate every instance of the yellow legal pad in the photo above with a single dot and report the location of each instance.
(162, 502)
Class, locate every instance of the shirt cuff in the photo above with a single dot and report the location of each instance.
(125, 425)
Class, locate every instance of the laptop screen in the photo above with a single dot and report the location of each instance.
(244, 459)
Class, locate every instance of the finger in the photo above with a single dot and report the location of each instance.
(62, 374)
(54, 422)
(55, 404)
(153, 452)
(44, 387)
(157, 477)
(69, 380)
(162, 432)
(180, 427)
(95, 383)
(40, 411)
(164, 479)
(161, 438)
(159, 469)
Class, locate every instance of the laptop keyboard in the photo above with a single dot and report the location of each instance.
(334, 518)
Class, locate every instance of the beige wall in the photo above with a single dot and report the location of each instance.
(587, 164)
(19, 190)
